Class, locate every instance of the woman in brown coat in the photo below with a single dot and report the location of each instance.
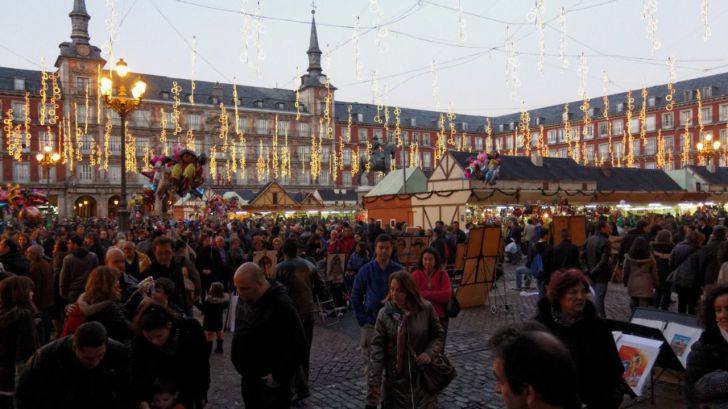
(407, 334)
(640, 273)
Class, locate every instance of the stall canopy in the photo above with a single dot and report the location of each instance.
(414, 180)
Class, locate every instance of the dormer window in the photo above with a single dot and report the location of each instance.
(651, 102)
(280, 105)
(620, 106)
(687, 95)
(359, 117)
(259, 103)
(214, 100)
(501, 127)
(707, 92)
(511, 126)
(19, 84)
(464, 126)
(593, 112)
(164, 95)
(413, 122)
(239, 101)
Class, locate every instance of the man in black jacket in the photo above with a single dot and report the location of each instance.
(566, 254)
(269, 343)
(12, 259)
(86, 370)
(164, 265)
(629, 238)
(709, 263)
(598, 251)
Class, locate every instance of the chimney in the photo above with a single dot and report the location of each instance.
(217, 91)
(537, 159)
(607, 169)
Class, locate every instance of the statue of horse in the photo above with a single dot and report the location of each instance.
(380, 160)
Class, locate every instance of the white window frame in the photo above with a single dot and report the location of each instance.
(363, 134)
(426, 139)
(650, 146)
(707, 114)
(650, 123)
(21, 172)
(551, 136)
(346, 156)
(617, 127)
(603, 128)
(18, 111)
(346, 178)
(668, 123)
(723, 112)
(427, 160)
(589, 132)
(686, 116)
(115, 144)
(85, 173)
(194, 122)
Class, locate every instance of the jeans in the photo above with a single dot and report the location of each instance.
(662, 298)
(367, 335)
(600, 293)
(523, 271)
(300, 380)
(687, 299)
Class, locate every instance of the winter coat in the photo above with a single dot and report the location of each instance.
(437, 290)
(75, 270)
(41, 273)
(174, 273)
(370, 288)
(404, 385)
(300, 277)
(54, 378)
(547, 258)
(627, 241)
(592, 346)
(140, 263)
(598, 251)
(268, 338)
(663, 264)
(684, 264)
(566, 255)
(14, 262)
(708, 355)
(17, 343)
(709, 264)
(723, 273)
(640, 276)
(356, 261)
(213, 309)
(184, 359)
(110, 314)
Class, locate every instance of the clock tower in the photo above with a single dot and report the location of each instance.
(313, 89)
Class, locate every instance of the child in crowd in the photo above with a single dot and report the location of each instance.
(164, 289)
(213, 310)
(165, 395)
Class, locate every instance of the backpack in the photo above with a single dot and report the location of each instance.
(537, 269)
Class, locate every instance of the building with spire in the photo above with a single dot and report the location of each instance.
(86, 183)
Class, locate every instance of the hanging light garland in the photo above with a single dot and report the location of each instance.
(176, 115)
(706, 23)
(629, 145)
(213, 161)
(259, 30)
(462, 34)
(605, 115)
(224, 128)
(112, 29)
(523, 127)
(562, 40)
(649, 16)
(414, 154)
(355, 46)
(643, 118)
(685, 158)
(512, 78)
(274, 150)
(537, 16)
(193, 61)
(10, 139)
(567, 131)
(77, 129)
(163, 132)
(584, 107)
(451, 125)
(355, 161)
(488, 135)
(670, 97)
(43, 92)
(26, 121)
(660, 157)
(243, 146)
(542, 146)
(382, 30)
(349, 122)
(68, 143)
(285, 157)
(53, 110)
(397, 130)
(699, 99)
(98, 94)
(245, 34)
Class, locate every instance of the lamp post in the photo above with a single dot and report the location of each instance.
(47, 159)
(708, 148)
(123, 105)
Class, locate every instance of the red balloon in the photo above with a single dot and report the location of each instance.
(31, 216)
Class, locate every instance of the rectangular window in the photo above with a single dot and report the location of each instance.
(603, 151)
(193, 122)
(363, 135)
(377, 135)
(534, 139)
(283, 127)
(346, 178)
(650, 165)
(304, 153)
(169, 118)
(347, 156)
(668, 120)
(650, 123)
(617, 127)
(86, 144)
(426, 139)
(650, 146)
(19, 84)
(590, 153)
(589, 132)
(18, 110)
(46, 139)
(479, 143)
(142, 117)
(551, 136)
(509, 142)
(261, 126)
(303, 129)
(85, 173)
(304, 177)
(723, 112)
(723, 137)
(636, 150)
(115, 118)
(114, 173)
(21, 172)
(81, 84)
(563, 153)
(115, 144)
(617, 149)
(686, 117)
(603, 128)
(635, 125)
(325, 153)
(707, 114)
(47, 175)
(324, 177)
(427, 160)
(668, 142)
(561, 134)
(140, 144)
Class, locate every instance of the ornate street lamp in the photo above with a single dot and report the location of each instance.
(123, 105)
(47, 159)
(708, 148)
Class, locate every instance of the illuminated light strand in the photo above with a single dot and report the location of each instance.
(98, 94)
(190, 139)
(245, 34)
(26, 121)
(274, 151)
(699, 99)
(513, 81)
(451, 125)
(8, 128)
(382, 30)
(605, 115)
(562, 40)
(349, 122)
(340, 154)
(670, 97)
(228, 172)
(147, 165)
(397, 130)
(236, 102)
(567, 131)
(297, 103)
(54, 108)
(649, 16)
(414, 155)
(629, 148)
(163, 131)
(706, 22)
(435, 85)
(488, 135)
(355, 46)
(368, 157)
(86, 112)
(327, 110)
(643, 118)
(224, 125)
(63, 141)
(234, 157)
(92, 155)
(462, 23)
(285, 156)
(213, 162)
(131, 161)
(43, 92)
(259, 30)
(524, 128)
(355, 161)
(513, 144)
(243, 145)
(79, 141)
(660, 157)
(685, 157)
(441, 145)
(176, 115)
(542, 146)
(537, 16)
(193, 61)
(111, 29)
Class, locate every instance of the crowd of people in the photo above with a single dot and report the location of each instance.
(97, 318)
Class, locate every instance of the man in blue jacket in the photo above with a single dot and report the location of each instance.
(370, 289)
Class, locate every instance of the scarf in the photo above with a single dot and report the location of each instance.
(402, 335)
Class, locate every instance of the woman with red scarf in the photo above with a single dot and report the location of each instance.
(434, 283)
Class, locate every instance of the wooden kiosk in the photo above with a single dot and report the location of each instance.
(483, 253)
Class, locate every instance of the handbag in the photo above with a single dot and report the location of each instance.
(452, 308)
(437, 374)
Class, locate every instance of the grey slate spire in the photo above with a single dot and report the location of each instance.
(314, 52)
(79, 23)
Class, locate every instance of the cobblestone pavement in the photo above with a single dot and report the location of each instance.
(337, 379)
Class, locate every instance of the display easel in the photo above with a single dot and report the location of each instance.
(483, 255)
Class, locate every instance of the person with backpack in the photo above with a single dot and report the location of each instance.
(598, 251)
(538, 263)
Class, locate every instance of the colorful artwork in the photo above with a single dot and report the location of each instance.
(267, 260)
(681, 339)
(335, 265)
(638, 356)
(679, 344)
(635, 362)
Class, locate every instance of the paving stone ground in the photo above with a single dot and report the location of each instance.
(337, 379)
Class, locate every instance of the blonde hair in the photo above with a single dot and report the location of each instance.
(102, 285)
